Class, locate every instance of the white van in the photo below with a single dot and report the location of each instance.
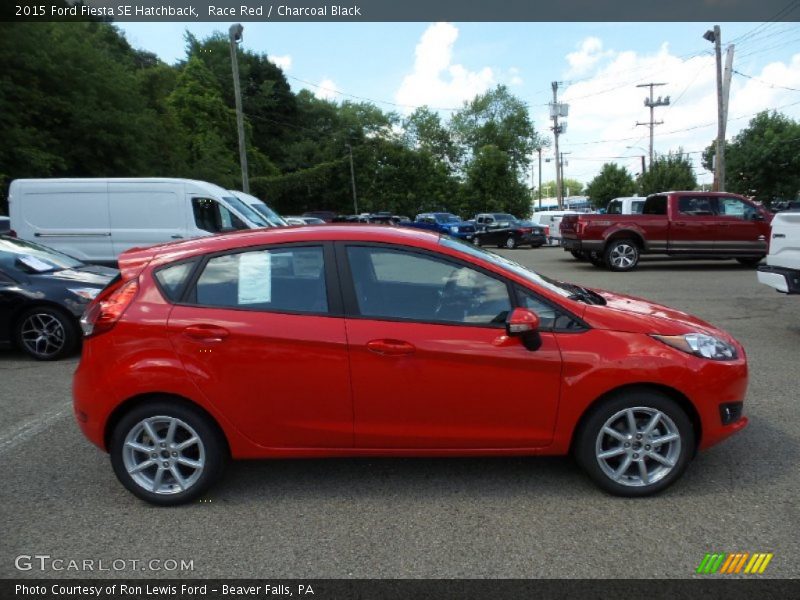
(552, 220)
(625, 205)
(97, 219)
(272, 218)
(782, 270)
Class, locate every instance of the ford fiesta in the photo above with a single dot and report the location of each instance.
(354, 341)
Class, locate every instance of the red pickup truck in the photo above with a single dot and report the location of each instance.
(679, 224)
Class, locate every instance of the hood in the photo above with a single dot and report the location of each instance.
(637, 315)
(90, 275)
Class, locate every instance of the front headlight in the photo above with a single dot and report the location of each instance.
(700, 344)
(86, 294)
(453, 229)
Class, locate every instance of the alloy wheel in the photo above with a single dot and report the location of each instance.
(638, 446)
(163, 455)
(43, 334)
(623, 256)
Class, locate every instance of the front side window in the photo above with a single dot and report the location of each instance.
(211, 216)
(734, 207)
(637, 206)
(282, 280)
(397, 284)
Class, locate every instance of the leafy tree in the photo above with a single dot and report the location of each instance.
(672, 171)
(492, 185)
(424, 131)
(570, 187)
(763, 160)
(612, 182)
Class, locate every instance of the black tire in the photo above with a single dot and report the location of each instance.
(212, 449)
(642, 400)
(621, 255)
(46, 333)
(750, 261)
(596, 259)
(509, 244)
(578, 254)
(477, 241)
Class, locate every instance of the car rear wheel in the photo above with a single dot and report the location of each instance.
(622, 255)
(578, 254)
(750, 261)
(476, 241)
(636, 444)
(511, 243)
(46, 333)
(167, 453)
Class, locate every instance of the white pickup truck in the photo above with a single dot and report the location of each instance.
(782, 270)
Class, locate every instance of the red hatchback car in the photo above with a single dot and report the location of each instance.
(379, 341)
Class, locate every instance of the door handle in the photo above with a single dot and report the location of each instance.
(390, 347)
(176, 236)
(206, 333)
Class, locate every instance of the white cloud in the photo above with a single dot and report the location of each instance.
(514, 77)
(284, 62)
(606, 104)
(589, 52)
(326, 90)
(435, 80)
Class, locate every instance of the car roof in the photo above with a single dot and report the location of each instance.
(132, 261)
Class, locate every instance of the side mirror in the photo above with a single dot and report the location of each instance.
(524, 324)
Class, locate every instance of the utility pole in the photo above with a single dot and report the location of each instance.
(563, 162)
(353, 179)
(235, 34)
(558, 110)
(650, 102)
(723, 90)
(539, 150)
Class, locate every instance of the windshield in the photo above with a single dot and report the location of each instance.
(248, 213)
(270, 215)
(33, 258)
(558, 287)
(447, 218)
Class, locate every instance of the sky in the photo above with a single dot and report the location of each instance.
(399, 66)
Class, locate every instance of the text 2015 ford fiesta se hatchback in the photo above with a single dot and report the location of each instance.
(376, 341)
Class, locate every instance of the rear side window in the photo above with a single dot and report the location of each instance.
(655, 205)
(695, 206)
(282, 280)
(173, 278)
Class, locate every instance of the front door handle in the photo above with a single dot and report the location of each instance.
(176, 236)
(390, 347)
(206, 333)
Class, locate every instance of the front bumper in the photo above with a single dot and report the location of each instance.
(781, 278)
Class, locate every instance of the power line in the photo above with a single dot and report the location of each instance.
(768, 84)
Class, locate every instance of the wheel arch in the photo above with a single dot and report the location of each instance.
(676, 395)
(622, 234)
(135, 401)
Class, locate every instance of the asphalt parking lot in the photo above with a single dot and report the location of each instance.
(450, 518)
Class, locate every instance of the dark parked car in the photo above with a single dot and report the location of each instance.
(42, 295)
(5, 224)
(506, 231)
(444, 223)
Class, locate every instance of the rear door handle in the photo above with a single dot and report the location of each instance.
(176, 236)
(206, 333)
(390, 347)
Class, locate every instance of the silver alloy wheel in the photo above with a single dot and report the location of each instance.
(163, 455)
(622, 256)
(476, 241)
(638, 446)
(510, 243)
(43, 334)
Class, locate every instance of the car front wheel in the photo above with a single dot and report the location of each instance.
(636, 444)
(46, 333)
(167, 453)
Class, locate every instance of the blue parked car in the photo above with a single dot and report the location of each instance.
(445, 223)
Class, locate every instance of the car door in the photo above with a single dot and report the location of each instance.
(430, 365)
(261, 334)
(742, 229)
(694, 226)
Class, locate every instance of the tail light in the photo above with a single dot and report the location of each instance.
(107, 308)
(546, 230)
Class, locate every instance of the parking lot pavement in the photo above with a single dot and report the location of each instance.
(509, 517)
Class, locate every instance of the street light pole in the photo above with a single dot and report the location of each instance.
(235, 34)
(353, 179)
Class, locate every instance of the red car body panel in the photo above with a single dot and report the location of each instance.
(288, 385)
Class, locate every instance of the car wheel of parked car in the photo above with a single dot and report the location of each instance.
(596, 259)
(476, 241)
(750, 261)
(511, 243)
(578, 254)
(636, 443)
(46, 333)
(167, 452)
(622, 255)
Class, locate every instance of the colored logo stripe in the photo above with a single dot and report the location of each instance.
(724, 563)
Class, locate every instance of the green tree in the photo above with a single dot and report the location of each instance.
(492, 185)
(424, 131)
(672, 171)
(612, 182)
(763, 160)
(570, 187)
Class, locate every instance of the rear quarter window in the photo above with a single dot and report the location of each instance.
(173, 278)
